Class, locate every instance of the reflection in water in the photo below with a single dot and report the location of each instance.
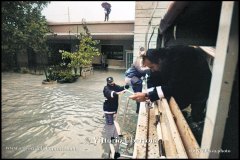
(58, 120)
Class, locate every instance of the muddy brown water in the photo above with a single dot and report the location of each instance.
(59, 120)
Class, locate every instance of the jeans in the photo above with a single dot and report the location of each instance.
(106, 17)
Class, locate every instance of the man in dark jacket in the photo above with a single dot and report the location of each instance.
(181, 72)
(111, 92)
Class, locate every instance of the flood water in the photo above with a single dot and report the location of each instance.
(59, 120)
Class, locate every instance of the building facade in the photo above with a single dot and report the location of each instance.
(148, 15)
(115, 37)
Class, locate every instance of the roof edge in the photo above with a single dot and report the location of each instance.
(91, 22)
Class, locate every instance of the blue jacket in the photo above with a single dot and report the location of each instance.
(132, 71)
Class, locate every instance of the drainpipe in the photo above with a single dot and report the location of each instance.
(149, 24)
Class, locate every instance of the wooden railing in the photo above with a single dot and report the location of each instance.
(189, 141)
(179, 141)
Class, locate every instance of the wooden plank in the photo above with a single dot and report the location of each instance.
(185, 132)
(181, 152)
(141, 133)
(151, 4)
(118, 129)
(172, 142)
(168, 142)
(209, 50)
(158, 117)
(224, 67)
(153, 148)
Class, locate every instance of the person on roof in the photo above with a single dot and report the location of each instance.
(107, 12)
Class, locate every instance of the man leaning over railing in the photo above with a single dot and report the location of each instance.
(181, 72)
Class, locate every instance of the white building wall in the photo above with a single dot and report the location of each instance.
(143, 13)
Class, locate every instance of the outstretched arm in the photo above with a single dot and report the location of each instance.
(109, 93)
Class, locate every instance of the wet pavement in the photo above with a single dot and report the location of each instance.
(59, 120)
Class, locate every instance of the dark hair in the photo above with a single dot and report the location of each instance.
(155, 55)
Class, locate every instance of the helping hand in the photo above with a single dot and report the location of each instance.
(121, 92)
(139, 97)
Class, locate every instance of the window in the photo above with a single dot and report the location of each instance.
(113, 51)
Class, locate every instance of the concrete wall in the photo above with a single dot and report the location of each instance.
(94, 27)
(109, 33)
(143, 12)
